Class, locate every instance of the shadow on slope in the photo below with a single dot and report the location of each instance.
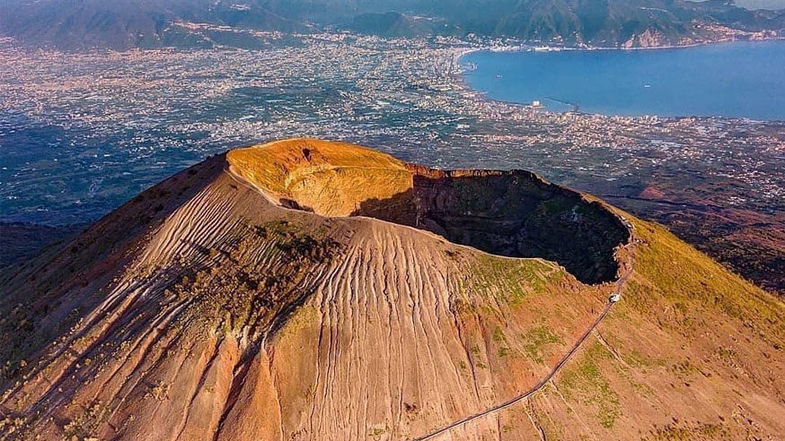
(513, 214)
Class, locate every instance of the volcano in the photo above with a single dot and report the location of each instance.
(314, 290)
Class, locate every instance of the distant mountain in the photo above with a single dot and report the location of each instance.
(396, 24)
(123, 24)
(589, 22)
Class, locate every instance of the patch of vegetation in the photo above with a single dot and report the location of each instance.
(83, 427)
(377, 432)
(12, 369)
(513, 280)
(501, 339)
(12, 424)
(15, 326)
(726, 354)
(310, 392)
(679, 431)
(689, 286)
(636, 359)
(583, 381)
(683, 369)
(557, 206)
(464, 307)
(498, 335)
(159, 391)
(537, 342)
(304, 316)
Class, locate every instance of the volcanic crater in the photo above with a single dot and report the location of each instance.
(509, 213)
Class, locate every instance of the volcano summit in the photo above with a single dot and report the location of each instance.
(312, 290)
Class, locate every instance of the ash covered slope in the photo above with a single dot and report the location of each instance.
(204, 310)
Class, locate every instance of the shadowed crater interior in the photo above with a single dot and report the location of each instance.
(512, 213)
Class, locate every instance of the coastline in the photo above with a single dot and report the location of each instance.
(462, 83)
(460, 55)
(656, 48)
(531, 48)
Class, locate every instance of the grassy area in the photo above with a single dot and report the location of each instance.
(537, 343)
(584, 382)
(514, 280)
(688, 432)
(673, 276)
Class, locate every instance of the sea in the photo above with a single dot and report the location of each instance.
(736, 79)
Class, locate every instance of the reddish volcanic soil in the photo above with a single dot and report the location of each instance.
(309, 290)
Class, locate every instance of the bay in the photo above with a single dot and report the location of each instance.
(739, 79)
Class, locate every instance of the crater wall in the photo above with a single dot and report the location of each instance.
(511, 213)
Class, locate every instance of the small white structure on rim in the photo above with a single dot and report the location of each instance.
(536, 103)
(615, 297)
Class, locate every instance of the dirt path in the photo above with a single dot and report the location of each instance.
(618, 287)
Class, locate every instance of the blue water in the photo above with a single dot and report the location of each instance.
(742, 79)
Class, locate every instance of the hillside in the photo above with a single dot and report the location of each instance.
(310, 290)
(592, 23)
(127, 24)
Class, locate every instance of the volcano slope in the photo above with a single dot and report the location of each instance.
(309, 290)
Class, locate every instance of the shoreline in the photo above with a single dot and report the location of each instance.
(464, 83)
(540, 49)
(524, 47)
